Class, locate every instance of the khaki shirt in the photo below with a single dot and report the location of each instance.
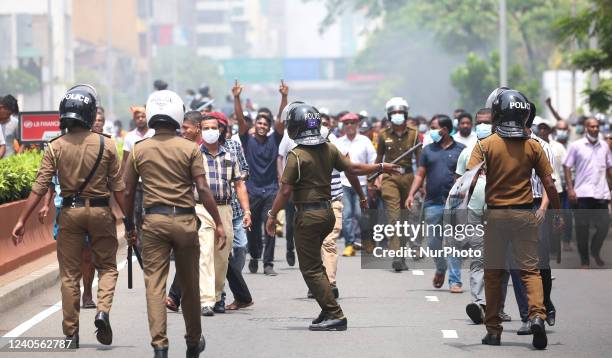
(167, 165)
(73, 156)
(509, 163)
(309, 170)
(391, 146)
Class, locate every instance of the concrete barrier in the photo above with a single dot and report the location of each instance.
(37, 241)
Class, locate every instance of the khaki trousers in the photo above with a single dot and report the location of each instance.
(74, 224)
(311, 228)
(206, 236)
(518, 228)
(162, 234)
(394, 192)
(329, 250)
(215, 263)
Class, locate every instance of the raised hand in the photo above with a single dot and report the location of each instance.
(237, 89)
(283, 89)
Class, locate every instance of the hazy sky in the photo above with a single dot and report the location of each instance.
(303, 38)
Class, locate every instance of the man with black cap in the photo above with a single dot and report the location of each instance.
(88, 170)
(307, 176)
(509, 156)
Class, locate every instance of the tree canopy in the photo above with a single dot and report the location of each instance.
(463, 27)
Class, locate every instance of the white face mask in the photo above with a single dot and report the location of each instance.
(591, 138)
(398, 119)
(324, 132)
(210, 136)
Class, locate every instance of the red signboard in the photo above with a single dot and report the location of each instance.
(37, 127)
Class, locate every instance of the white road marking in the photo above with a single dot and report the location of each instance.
(449, 333)
(418, 273)
(432, 298)
(27, 325)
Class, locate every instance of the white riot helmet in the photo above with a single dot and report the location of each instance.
(397, 104)
(165, 107)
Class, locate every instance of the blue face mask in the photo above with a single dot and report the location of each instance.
(435, 135)
(483, 130)
(422, 128)
(579, 129)
(562, 134)
(398, 119)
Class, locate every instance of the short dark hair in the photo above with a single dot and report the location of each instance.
(160, 85)
(193, 117)
(464, 115)
(445, 121)
(10, 103)
(268, 114)
(589, 118)
(483, 111)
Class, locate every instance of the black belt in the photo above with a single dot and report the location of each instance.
(77, 202)
(169, 210)
(512, 207)
(313, 206)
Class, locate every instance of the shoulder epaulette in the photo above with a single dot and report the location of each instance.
(59, 136)
(142, 140)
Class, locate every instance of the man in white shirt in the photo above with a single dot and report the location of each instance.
(139, 133)
(286, 145)
(2, 144)
(465, 135)
(360, 150)
(9, 109)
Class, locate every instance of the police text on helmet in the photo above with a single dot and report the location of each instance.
(521, 105)
(309, 115)
(78, 97)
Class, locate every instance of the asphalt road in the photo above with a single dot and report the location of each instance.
(390, 315)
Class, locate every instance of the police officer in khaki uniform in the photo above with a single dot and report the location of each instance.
(392, 142)
(307, 176)
(169, 166)
(509, 157)
(88, 169)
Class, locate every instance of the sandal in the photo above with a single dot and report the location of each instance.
(171, 305)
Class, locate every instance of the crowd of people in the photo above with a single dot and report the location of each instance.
(215, 195)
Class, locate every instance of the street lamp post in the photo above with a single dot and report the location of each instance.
(503, 44)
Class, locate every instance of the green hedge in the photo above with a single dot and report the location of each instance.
(17, 173)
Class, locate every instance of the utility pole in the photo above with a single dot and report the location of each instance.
(149, 23)
(503, 44)
(50, 53)
(109, 57)
(573, 50)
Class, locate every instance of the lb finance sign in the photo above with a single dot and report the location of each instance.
(38, 127)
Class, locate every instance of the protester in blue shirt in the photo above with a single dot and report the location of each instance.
(437, 164)
(261, 150)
